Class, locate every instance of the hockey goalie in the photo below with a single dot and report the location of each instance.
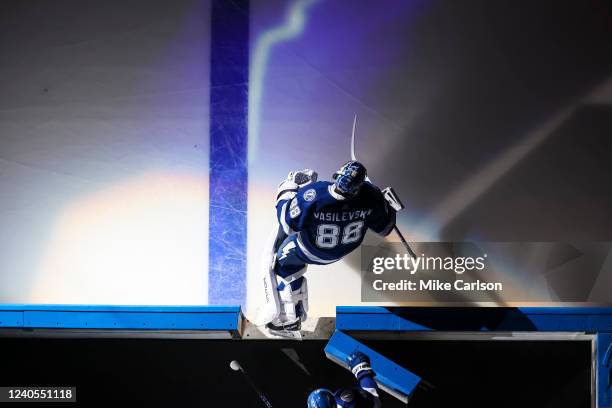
(319, 222)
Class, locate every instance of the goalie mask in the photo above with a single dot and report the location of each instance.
(349, 179)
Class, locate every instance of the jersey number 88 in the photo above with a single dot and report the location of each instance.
(329, 234)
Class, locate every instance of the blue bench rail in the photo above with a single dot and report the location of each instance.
(405, 319)
(591, 320)
(141, 318)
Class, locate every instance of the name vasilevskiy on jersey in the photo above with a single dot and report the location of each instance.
(343, 216)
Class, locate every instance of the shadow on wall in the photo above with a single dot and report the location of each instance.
(506, 69)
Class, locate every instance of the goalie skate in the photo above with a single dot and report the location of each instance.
(289, 330)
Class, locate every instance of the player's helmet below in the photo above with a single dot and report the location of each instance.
(321, 398)
(349, 179)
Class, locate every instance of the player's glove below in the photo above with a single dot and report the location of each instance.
(359, 364)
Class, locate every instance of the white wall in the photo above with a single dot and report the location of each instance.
(104, 152)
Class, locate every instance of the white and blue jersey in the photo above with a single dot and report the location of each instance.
(325, 226)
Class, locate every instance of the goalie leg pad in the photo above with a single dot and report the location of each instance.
(293, 287)
(284, 288)
(293, 302)
(270, 306)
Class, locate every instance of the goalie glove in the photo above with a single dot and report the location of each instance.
(359, 364)
(303, 177)
(294, 181)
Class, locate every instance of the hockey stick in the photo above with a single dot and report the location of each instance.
(395, 228)
(235, 365)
